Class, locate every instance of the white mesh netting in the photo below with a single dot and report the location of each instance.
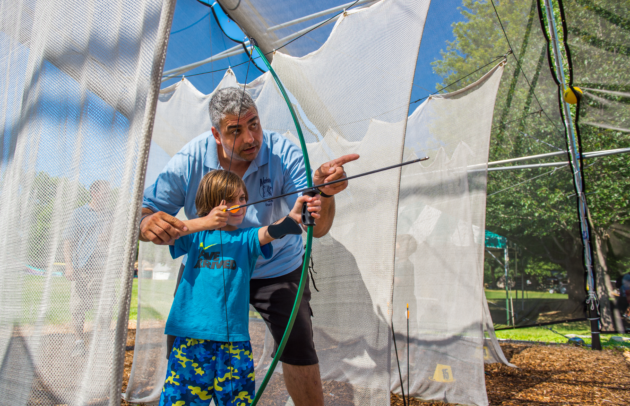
(348, 106)
(78, 90)
(351, 94)
(440, 246)
(77, 113)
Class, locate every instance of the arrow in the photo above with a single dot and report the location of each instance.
(234, 208)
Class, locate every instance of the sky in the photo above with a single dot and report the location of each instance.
(195, 36)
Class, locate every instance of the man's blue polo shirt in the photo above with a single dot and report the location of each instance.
(277, 169)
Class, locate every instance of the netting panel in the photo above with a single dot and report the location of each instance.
(598, 37)
(439, 246)
(79, 80)
(351, 96)
(181, 112)
(531, 207)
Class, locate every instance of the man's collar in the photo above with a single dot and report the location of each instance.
(211, 160)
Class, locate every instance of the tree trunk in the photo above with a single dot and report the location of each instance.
(604, 287)
(576, 284)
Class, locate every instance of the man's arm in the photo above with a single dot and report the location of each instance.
(160, 228)
(328, 172)
(166, 195)
(325, 222)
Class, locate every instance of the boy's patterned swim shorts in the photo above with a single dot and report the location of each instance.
(200, 370)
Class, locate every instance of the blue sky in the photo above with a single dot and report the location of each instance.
(195, 36)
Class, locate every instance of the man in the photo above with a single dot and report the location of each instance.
(85, 250)
(269, 165)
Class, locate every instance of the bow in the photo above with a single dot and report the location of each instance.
(309, 233)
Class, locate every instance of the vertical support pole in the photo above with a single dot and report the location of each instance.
(522, 283)
(577, 175)
(506, 259)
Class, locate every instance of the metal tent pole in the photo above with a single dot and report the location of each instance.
(577, 175)
(506, 260)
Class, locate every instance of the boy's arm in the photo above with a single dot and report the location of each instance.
(291, 223)
(216, 219)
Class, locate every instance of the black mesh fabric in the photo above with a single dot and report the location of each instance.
(533, 208)
(598, 38)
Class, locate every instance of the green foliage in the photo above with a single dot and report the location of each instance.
(537, 208)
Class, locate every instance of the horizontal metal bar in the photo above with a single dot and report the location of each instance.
(236, 50)
(527, 158)
(613, 93)
(296, 34)
(511, 168)
(606, 126)
(596, 154)
(315, 15)
(586, 155)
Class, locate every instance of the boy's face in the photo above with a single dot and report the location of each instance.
(235, 218)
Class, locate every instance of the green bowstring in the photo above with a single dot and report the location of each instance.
(309, 237)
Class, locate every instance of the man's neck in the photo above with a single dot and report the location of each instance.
(237, 166)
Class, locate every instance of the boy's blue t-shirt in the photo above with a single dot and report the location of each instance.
(199, 308)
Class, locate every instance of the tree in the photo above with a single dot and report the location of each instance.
(536, 208)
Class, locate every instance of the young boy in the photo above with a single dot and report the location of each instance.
(212, 355)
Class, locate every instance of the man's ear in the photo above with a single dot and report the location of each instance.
(217, 136)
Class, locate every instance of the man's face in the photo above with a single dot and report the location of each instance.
(240, 138)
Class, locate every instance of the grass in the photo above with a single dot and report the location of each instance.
(133, 310)
(541, 334)
(544, 334)
(494, 294)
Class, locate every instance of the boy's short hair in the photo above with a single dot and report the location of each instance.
(216, 186)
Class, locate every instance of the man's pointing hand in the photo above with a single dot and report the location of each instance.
(331, 171)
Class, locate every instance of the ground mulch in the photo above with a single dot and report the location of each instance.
(547, 375)
(131, 340)
(552, 375)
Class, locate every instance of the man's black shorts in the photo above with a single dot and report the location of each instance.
(273, 298)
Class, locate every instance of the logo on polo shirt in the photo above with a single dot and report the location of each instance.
(212, 260)
(266, 189)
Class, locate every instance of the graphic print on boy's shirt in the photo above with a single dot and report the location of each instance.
(212, 300)
(212, 260)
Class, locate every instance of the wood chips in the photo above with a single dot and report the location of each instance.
(546, 375)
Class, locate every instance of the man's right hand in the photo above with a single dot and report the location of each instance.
(161, 228)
